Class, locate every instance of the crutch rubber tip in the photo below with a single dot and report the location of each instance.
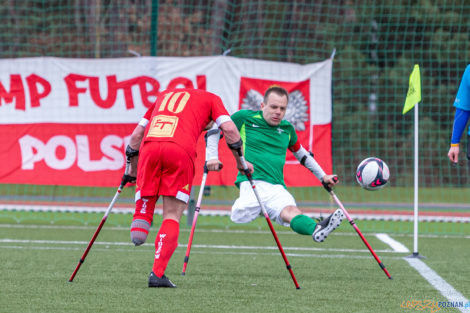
(182, 274)
(391, 278)
(297, 288)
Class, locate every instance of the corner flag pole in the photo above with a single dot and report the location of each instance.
(416, 186)
(413, 97)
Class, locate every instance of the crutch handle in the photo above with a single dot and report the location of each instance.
(325, 184)
(206, 169)
(127, 178)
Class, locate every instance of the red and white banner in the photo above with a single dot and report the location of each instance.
(68, 121)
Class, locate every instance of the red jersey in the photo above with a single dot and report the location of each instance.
(180, 115)
(148, 114)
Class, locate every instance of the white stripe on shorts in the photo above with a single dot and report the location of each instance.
(182, 196)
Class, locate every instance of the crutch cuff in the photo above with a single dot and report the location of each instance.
(131, 152)
(236, 145)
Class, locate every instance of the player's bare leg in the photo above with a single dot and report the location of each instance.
(300, 223)
(289, 212)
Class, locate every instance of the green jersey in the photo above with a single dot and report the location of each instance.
(264, 145)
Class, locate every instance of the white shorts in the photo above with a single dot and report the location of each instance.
(274, 197)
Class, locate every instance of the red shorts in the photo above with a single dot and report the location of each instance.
(164, 169)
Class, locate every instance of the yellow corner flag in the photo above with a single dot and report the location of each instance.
(414, 90)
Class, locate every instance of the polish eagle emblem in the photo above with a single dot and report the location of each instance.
(296, 112)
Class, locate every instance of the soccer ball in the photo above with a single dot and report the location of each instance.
(372, 174)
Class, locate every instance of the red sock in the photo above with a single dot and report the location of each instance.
(165, 244)
(144, 209)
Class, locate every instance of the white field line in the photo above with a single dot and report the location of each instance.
(305, 255)
(433, 236)
(438, 282)
(230, 231)
(225, 247)
(431, 276)
(395, 245)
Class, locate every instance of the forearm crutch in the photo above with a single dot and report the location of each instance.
(265, 213)
(353, 224)
(196, 213)
(125, 179)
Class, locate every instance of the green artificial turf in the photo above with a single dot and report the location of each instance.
(230, 270)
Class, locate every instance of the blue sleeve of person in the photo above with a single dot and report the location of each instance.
(460, 120)
(462, 101)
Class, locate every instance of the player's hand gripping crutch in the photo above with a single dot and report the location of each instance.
(196, 213)
(125, 179)
(353, 224)
(265, 213)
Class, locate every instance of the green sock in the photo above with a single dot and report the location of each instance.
(302, 224)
